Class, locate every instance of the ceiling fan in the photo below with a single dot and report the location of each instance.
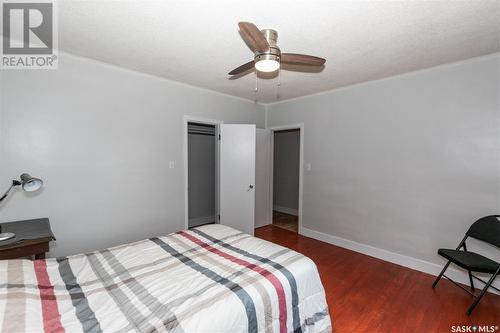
(267, 54)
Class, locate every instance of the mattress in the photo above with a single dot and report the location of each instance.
(209, 279)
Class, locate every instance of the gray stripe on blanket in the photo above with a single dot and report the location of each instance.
(288, 275)
(245, 298)
(84, 313)
(197, 293)
(136, 321)
(315, 318)
(157, 308)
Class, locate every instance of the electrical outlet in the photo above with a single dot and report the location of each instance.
(171, 165)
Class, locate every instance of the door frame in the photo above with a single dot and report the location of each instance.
(300, 127)
(200, 120)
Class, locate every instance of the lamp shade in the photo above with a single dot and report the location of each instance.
(30, 184)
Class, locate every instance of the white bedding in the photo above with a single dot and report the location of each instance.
(209, 279)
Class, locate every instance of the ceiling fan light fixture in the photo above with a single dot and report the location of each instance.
(267, 54)
(267, 63)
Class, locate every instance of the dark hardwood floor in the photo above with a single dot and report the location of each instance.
(365, 294)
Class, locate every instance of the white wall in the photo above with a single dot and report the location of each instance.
(404, 164)
(286, 159)
(101, 138)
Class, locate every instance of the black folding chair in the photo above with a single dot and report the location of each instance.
(486, 229)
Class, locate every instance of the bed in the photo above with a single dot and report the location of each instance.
(209, 279)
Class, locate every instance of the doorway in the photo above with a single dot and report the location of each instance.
(202, 174)
(286, 183)
(229, 165)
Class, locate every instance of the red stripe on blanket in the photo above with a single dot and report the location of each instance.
(262, 271)
(50, 311)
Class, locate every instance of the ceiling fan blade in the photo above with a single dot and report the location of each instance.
(253, 36)
(301, 68)
(242, 68)
(302, 59)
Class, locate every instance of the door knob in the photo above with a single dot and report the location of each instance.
(250, 186)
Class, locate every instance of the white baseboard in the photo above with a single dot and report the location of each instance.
(399, 259)
(286, 210)
(201, 220)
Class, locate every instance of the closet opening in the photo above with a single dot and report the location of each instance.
(202, 174)
(286, 178)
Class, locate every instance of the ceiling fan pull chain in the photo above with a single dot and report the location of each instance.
(256, 82)
(278, 96)
(256, 87)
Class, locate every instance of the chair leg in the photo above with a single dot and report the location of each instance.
(476, 301)
(471, 281)
(441, 274)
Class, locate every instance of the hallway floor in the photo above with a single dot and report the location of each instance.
(286, 221)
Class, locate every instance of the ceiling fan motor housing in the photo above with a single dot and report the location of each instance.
(274, 52)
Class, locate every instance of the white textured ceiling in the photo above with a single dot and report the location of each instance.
(197, 41)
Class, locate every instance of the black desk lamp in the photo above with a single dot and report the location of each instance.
(29, 184)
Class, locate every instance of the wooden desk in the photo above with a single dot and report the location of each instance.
(32, 239)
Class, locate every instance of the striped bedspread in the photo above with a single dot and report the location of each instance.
(209, 279)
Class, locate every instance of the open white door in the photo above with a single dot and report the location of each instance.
(263, 178)
(237, 176)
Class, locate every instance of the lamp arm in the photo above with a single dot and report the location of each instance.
(14, 183)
